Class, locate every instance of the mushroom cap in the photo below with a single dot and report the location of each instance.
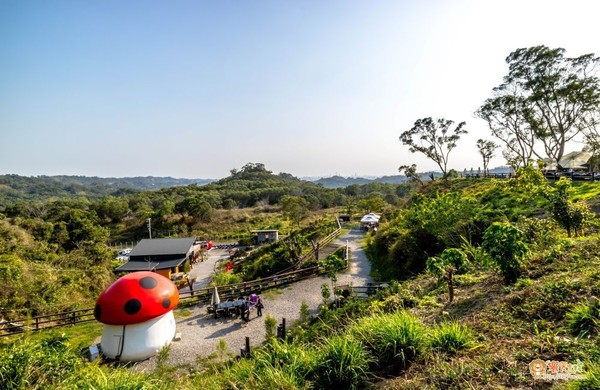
(136, 297)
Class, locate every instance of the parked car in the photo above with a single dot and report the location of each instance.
(123, 254)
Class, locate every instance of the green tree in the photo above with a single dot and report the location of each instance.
(332, 265)
(505, 245)
(506, 114)
(486, 150)
(568, 214)
(560, 94)
(294, 207)
(410, 171)
(373, 203)
(435, 139)
(444, 266)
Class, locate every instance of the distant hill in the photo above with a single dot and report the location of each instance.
(340, 181)
(15, 188)
(135, 183)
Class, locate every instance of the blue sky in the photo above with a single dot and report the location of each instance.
(314, 88)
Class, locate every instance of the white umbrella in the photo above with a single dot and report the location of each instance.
(215, 300)
(574, 160)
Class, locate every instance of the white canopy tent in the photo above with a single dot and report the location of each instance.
(370, 219)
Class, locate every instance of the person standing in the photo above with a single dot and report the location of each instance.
(259, 307)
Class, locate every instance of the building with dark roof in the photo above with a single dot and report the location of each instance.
(161, 255)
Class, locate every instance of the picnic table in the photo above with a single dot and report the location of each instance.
(227, 308)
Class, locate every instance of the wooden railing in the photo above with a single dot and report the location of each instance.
(47, 321)
(313, 252)
(576, 176)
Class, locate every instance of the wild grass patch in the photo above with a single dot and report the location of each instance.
(450, 337)
(395, 340)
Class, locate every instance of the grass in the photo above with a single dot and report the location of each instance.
(395, 340)
(450, 337)
(583, 320)
(342, 363)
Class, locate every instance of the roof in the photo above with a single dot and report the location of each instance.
(264, 231)
(162, 246)
(149, 265)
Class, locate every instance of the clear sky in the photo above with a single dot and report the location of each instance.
(313, 88)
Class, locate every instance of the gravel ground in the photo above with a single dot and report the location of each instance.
(200, 332)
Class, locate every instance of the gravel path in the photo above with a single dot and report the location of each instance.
(200, 332)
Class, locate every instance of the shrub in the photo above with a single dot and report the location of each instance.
(342, 363)
(270, 324)
(304, 312)
(584, 319)
(226, 277)
(444, 266)
(505, 244)
(38, 365)
(395, 340)
(450, 337)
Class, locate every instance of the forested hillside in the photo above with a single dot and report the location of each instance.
(54, 253)
(14, 188)
(497, 275)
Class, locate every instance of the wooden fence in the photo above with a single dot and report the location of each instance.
(47, 321)
(576, 176)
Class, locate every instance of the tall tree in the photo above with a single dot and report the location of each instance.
(506, 114)
(486, 149)
(435, 139)
(560, 94)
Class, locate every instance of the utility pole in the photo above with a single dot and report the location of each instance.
(149, 228)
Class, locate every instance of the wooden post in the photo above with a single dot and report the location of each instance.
(245, 350)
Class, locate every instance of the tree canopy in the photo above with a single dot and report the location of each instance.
(546, 97)
(434, 138)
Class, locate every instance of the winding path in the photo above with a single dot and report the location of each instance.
(200, 332)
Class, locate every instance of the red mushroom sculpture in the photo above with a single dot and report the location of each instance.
(137, 313)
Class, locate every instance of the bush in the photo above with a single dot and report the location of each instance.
(270, 324)
(450, 337)
(505, 244)
(395, 340)
(26, 365)
(584, 319)
(342, 363)
(226, 277)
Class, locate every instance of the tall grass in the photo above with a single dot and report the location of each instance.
(450, 337)
(591, 382)
(583, 320)
(395, 340)
(342, 363)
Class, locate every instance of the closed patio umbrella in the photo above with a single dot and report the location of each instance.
(215, 300)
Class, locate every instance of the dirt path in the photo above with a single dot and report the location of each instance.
(200, 332)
